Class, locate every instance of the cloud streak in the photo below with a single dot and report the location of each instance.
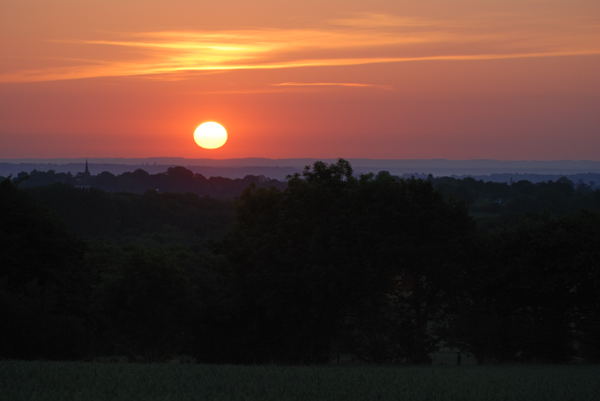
(360, 40)
(329, 84)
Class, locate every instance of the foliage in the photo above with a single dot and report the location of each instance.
(310, 256)
(155, 218)
(533, 297)
(372, 267)
(44, 284)
(175, 179)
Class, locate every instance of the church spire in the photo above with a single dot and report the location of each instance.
(87, 170)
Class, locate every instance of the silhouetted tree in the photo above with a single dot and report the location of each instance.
(309, 255)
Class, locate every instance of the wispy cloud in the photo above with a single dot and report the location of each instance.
(330, 84)
(358, 40)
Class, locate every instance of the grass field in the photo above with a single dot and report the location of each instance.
(70, 381)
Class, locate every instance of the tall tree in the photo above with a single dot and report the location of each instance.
(309, 256)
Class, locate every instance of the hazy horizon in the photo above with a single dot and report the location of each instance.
(501, 170)
(259, 158)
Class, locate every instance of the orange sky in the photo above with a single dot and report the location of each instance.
(510, 79)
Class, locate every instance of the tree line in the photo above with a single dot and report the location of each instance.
(382, 269)
(483, 198)
(175, 179)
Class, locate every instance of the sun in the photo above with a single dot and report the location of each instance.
(210, 135)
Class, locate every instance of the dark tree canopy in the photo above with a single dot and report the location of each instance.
(44, 283)
(310, 256)
(374, 267)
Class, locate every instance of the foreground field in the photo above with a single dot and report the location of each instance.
(73, 381)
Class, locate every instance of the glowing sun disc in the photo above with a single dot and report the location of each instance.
(210, 135)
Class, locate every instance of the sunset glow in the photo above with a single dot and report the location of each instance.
(388, 79)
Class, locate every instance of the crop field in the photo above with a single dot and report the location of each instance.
(80, 381)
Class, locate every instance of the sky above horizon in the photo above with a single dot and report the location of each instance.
(501, 79)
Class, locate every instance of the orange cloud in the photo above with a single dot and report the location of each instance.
(359, 40)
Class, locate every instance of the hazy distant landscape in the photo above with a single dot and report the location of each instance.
(489, 170)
